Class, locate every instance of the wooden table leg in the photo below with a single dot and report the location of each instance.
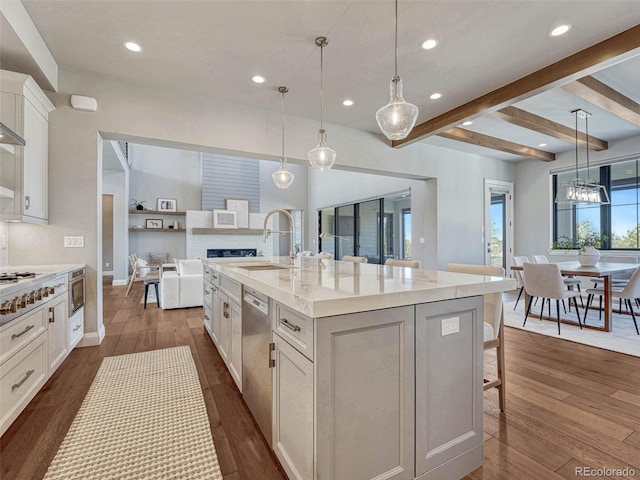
(607, 303)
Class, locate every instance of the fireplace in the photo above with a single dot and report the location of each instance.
(231, 252)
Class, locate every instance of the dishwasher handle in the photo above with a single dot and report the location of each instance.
(257, 303)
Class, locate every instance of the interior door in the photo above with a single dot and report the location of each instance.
(498, 228)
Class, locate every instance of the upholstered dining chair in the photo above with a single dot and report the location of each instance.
(396, 262)
(141, 271)
(351, 258)
(518, 261)
(629, 293)
(545, 280)
(568, 281)
(493, 324)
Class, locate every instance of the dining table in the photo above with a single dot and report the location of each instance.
(604, 270)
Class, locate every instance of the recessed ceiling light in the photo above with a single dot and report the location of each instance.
(435, 96)
(133, 47)
(429, 44)
(560, 30)
(257, 79)
(347, 103)
(467, 123)
(542, 144)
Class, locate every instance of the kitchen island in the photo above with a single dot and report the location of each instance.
(376, 371)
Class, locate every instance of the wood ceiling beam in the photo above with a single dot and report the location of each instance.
(605, 97)
(548, 127)
(482, 140)
(613, 50)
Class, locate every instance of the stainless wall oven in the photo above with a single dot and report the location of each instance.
(76, 290)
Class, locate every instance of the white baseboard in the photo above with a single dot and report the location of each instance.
(93, 339)
(119, 282)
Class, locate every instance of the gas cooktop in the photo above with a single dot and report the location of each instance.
(13, 277)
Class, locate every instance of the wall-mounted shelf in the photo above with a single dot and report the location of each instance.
(226, 231)
(154, 212)
(131, 229)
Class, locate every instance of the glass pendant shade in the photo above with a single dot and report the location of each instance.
(397, 118)
(282, 177)
(322, 157)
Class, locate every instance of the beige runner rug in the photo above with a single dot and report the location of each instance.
(144, 417)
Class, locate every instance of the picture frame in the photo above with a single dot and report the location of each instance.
(167, 205)
(242, 207)
(225, 219)
(154, 223)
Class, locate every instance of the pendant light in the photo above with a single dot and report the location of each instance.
(396, 118)
(580, 191)
(282, 177)
(322, 157)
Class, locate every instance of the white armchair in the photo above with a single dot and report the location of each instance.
(182, 288)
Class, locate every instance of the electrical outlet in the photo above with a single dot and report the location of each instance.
(73, 242)
(450, 326)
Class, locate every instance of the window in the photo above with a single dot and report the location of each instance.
(617, 223)
(368, 228)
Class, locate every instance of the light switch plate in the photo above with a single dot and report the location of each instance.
(450, 326)
(73, 242)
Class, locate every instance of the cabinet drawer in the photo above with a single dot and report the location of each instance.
(75, 328)
(294, 328)
(232, 288)
(211, 276)
(16, 334)
(209, 291)
(20, 379)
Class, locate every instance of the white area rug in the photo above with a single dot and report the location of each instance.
(622, 339)
(144, 417)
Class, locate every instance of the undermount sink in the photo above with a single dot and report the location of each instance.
(266, 266)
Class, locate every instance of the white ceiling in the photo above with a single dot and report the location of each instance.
(214, 47)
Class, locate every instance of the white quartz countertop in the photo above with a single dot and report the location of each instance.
(321, 288)
(43, 272)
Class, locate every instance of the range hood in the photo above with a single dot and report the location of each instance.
(9, 136)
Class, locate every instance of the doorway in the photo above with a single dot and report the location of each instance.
(498, 227)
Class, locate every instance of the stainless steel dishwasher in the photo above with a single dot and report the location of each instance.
(256, 369)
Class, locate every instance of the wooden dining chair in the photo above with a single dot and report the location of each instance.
(141, 271)
(396, 262)
(493, 324)
(351, 258)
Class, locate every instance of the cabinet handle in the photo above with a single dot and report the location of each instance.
(225, 311)
(24, 379)
(206, 317)
(77, 327)
(289, 325)
(26, 329)
(207, 292)
(27, 202)
(53, 315)
(272, 349)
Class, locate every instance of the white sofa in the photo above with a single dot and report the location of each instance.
(182, 288)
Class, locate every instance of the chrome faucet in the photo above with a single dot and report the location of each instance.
(266, 231)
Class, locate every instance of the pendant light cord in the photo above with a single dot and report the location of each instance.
(396, 39)
(283, 160)
(586, 131)
(576, 113)
(321, 86)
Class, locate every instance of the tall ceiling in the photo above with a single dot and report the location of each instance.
(213, 48)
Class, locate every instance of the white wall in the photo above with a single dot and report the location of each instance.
(142, 112)
(533, 203)
(4, 244)
(115, 183)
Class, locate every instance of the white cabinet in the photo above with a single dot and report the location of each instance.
(226, 324)
(57, 343)
(75, 329)
(25, 109)
(293, 410)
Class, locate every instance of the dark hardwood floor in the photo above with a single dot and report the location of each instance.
(568, 405)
